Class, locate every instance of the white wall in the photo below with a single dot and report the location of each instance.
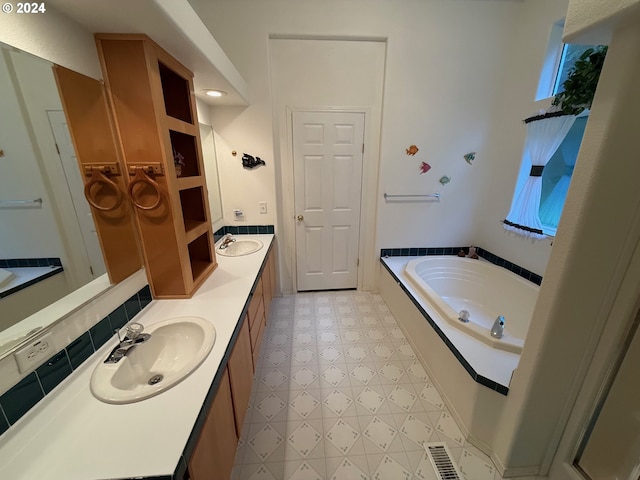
(518, 88)
(444, 66)
(307, 73)
(54, 37)
(591, 22)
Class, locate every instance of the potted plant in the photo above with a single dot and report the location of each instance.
(580, 85)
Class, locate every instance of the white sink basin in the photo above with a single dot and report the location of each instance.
(176, 348)
(240, 247)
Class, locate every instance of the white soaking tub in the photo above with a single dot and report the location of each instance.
(451, 284)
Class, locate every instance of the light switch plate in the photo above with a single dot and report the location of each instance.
(263, 207)
(36, 352)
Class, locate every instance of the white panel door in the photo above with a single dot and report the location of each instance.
(327, 158)
(93, 252)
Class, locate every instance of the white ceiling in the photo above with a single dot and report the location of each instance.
(190, 43)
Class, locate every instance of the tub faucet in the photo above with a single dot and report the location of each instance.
(497, 331)
(226, 240)
(133, 337)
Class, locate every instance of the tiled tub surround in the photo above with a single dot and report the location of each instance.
(482, 253)
(74, 436)
(339, 394)
(472, 377)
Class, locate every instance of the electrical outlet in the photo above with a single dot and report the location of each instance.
(263, 207)
(35, 353)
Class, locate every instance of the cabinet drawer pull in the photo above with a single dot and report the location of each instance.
(142, 177)
(97, 178)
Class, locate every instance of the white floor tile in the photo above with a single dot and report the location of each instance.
(380, 433)
(392, 372)
(473, 467)
(339, 393)
(273, 378)
(270, 406)
(342, 435)
(303, 471)
(362, 374)
(337, 401)
(356, 353)
(402, 397)
(447, 426)
(304, 439)
(350, 468)
(304, 377)
(370, 399)
(276, 357)
(265, 442)
(306, 403)
(390, 469)
(303, 356)
(334, 375)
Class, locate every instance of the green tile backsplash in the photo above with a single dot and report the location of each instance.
(30, 390)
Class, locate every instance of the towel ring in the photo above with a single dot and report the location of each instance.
(142, 177)
(97, 177)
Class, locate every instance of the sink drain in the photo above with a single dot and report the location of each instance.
(155, 379)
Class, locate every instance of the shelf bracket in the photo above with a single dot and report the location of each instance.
(112, 168)
(155, 168)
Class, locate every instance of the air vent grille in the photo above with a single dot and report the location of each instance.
(441, 461)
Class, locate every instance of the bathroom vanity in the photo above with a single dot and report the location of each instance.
(189, 431)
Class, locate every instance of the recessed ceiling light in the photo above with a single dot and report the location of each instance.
(215, 93)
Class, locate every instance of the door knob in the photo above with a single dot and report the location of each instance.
(300, 218)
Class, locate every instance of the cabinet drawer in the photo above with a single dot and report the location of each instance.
(255, 303)
(258, 324)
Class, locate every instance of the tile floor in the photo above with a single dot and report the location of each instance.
(339, 394)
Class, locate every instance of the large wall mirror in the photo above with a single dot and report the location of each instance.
(45, 220)
(49, 246)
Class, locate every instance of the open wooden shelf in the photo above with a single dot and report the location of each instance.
(152, 97)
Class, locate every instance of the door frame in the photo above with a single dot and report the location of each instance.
(370, 167)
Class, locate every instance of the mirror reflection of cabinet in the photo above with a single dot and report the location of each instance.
(100, 161)
(154, 105)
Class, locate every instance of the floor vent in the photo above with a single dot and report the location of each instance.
(441, 461)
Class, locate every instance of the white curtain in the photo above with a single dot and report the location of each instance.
(544, 136)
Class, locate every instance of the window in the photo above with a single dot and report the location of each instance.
(570, 54)
(557, 175)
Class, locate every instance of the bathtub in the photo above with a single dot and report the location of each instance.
(451, 284)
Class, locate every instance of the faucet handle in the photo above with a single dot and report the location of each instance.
(134, 330)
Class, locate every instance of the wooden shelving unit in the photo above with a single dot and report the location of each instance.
(152, 97)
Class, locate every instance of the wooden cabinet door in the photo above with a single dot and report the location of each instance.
(266, 286)
(216, 448)
(241, 374)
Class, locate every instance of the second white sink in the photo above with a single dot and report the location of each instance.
(240, 247)
(176, 348)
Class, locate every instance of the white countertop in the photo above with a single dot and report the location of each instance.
(71, 435)
(491, 363)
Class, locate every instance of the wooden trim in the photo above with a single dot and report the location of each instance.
(185, 183)
(178, 125)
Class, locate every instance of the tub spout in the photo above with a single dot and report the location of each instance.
(497, 331)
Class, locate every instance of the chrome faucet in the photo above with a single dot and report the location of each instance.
(226, 240)
(497, 331)
(133, 337)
